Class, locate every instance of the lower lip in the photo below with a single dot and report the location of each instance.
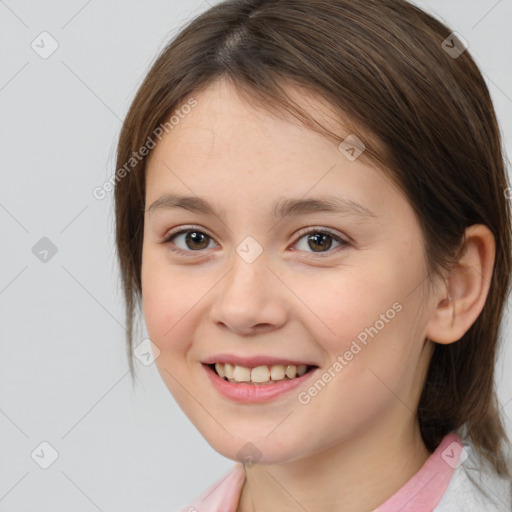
(254, 393)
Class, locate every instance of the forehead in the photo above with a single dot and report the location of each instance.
(226, 145)
(224, 113)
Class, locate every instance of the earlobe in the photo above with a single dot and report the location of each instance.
(461, 299)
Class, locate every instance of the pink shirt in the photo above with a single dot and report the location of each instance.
(422, 492)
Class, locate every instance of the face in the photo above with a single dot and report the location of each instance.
(340, 291)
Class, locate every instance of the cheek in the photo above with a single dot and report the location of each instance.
(171, 299)
(166, 320)
(343, 306)
(366, 320)
(163, 298)
(375, 359)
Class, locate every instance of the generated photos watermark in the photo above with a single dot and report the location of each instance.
(342, 360)
(100, 192)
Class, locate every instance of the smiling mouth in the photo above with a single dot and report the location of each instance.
(260, 375)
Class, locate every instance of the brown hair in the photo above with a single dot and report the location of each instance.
(426, 118)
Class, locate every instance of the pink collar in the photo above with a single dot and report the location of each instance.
(426, 488)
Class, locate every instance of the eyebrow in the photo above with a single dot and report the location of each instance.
(281, 208)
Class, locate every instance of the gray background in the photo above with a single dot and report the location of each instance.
(63, 369)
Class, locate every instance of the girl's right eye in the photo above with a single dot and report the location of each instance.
(193, 237)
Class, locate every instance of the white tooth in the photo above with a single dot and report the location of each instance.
(260, 374)
(277, 372)
(228, 370)
(241, 373)
(220, 369)
(301, 369)
(291, 371)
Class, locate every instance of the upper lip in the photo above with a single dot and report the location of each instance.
(252, 362)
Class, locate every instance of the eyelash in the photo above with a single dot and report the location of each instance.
(301, 234)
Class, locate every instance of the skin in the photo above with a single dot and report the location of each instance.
(357, 441)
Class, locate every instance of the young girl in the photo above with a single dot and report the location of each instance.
(312, 208)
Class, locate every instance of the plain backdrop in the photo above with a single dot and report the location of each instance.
(64, 375)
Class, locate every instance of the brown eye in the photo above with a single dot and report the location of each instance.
(319, 241)
(191, 240)
(196, 240)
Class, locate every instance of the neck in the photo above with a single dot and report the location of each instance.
(356, 475)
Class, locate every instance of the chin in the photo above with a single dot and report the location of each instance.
(254, 451)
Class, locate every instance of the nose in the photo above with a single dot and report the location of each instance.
(250, 299)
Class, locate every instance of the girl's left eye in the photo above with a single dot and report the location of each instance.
(196, 239)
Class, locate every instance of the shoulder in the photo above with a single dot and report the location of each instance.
(223, 495)
(475, 487)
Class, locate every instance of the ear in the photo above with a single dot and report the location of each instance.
(462, 296)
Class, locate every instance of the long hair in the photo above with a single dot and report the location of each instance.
(401, 80)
